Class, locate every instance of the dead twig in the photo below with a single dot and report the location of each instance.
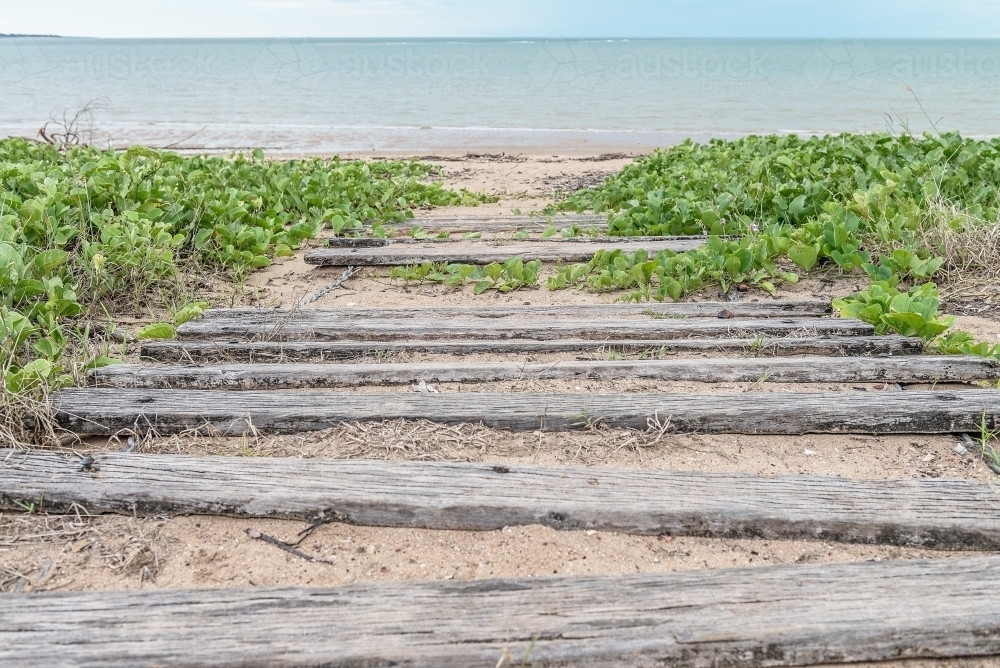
(75, 130)
(285, 546)
(319, 294)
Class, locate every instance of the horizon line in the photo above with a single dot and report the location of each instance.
(502, 38)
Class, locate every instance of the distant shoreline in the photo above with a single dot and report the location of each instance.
(13, 34)
(294, 140)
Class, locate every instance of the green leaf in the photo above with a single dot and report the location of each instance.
(797, 206)
(102, 361)
(871, 314)
(732, 266)
(905, 323)
(47, 347)
(159, 330)
(803, 255)
(493, 271)
(27, 289)
(39, 368)
(674, 289)
(47, 261)
(189, 312)
(789, 277)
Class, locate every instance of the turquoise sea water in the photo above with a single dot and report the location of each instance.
(423, 95)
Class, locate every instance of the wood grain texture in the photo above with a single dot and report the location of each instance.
(431, 328)
(943, 514)
(207, 352)
(382, 242)
(754, 617)
(570, 311)
(501, 223)
(102, 411)
(915, 369)
(479, 252)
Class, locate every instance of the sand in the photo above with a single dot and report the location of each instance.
(212, 552)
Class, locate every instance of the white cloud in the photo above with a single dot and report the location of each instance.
(280, 5)
(341, 8)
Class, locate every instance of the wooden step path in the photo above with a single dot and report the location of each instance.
(434, 328)
(480, 252)
(680, 310)
(941, 514)
(105, 411)
(773, 616)
(916, 369)
(207, 352)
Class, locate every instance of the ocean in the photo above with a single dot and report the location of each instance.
(472, 95)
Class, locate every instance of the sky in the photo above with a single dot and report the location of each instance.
(504, 18)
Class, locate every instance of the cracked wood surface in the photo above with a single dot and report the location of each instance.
(105, 411)
(767, 616)
(201, 352)
(434, 328)
(744, 309)
(502, 223)
(913, 369)
(941, 514)
(474, 251)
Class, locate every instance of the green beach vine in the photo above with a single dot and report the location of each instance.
(87, 234)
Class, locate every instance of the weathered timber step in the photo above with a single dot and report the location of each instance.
(502, 223)
(570, 311)
(382, 242)
(293, 329)
(200, 352)
(104, 411)
(773, 616)
(479, 252)
(915, 369)
(942, 514)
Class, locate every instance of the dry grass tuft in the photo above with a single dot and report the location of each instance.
(130, 546)
(419, 440)
(15, 529)
(138, 551)
(422, 440)
(969, 245)
(26, 420)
